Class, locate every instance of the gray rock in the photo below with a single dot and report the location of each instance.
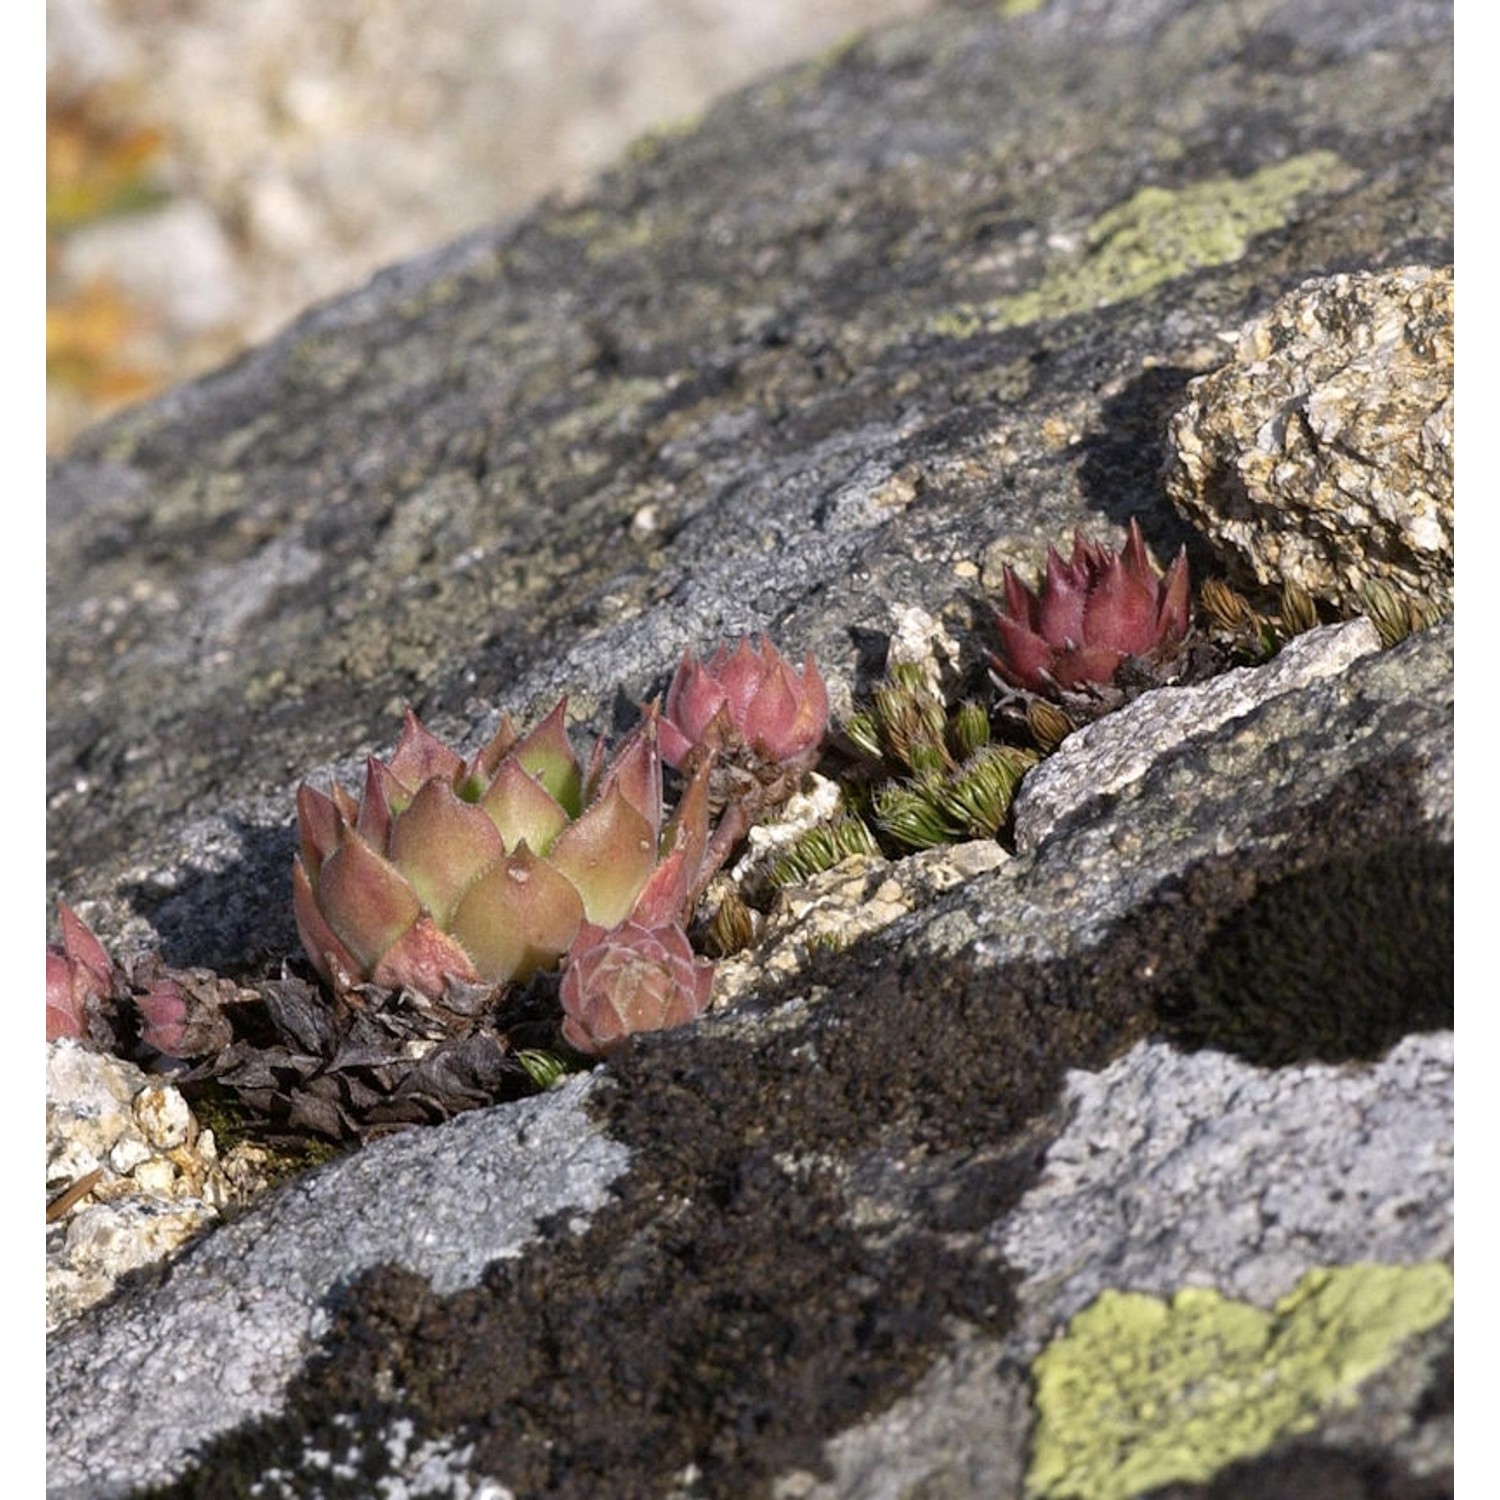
(1322, 455)
(215, 1344)
(1277, 1170)
(1114, 751)
(877, 328)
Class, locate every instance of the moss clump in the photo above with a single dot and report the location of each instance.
(1140, 1392)
(1330, 964)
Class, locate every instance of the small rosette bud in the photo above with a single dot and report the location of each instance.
(630, 978)
(747, 699)
(1090, 615)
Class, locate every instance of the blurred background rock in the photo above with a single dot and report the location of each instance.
(214, 166)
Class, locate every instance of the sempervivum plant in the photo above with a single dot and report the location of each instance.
(630, 978)
(1091, 614)
(143, 1008)
(749, 700)
(482, 870)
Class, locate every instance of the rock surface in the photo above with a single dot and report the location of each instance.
(130, 1175)
(1322, 455)
(877, 329)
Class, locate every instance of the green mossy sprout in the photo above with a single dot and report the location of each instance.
(543, 1068)
(1247, 635)
(1394, 614)
(948, 781)
(821, 848)
(1299, 610)
(732, 927)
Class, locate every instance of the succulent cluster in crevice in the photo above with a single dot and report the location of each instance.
(479, 924)
(725, 1309)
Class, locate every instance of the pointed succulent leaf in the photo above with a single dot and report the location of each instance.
(1060, 611)
(547, 754)
(636, 770)
(608, 854)
(517, 918)
(693, 699)
(1174, 616)
(1121, 611)
(1020, 603)
(672, 888)
(367, 901)
(487, 759)
(78, 973)
(523, 809)
(1121, 614)
(384, 799)
(425, 959)
(778, 714)
(1026, 657)
(674, 744)
(84, 950)
(1071, 669)
(420, 755)
(328, 952)
(741, 674)
(317, 826)
(65, 1013)
(442, 845)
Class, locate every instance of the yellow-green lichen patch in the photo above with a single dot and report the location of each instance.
(1159, 234)
(1140, 1392)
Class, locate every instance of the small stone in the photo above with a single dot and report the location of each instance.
(157, 1176)
(1322, 454)
(129, 1153)
(163, 1115)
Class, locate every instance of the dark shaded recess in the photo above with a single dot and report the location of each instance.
(1337, 946)
(238, 896)
(1306, 1471)
(1120, 472)
(1332, 964)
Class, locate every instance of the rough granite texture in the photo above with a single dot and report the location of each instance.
(443, 1203)
(1266, 1173)
(878, 328)
(1322, 455)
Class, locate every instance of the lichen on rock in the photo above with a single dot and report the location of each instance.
(1140, 1392)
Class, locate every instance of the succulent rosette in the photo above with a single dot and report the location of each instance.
(749, 698)
(1091, 613)
(630, 978)
(483, 870)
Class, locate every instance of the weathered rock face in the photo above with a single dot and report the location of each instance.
(1322, 454)
(879, 328)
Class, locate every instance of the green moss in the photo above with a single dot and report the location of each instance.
(1330, 963)
(1159, 234)
(1140, 1392)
